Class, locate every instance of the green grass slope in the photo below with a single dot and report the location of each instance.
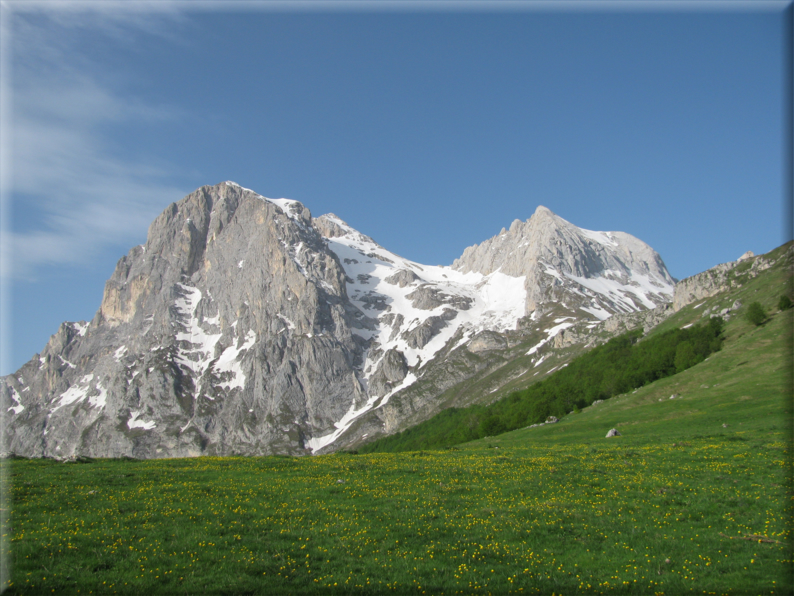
(763, 279)
(622, 364)
(694, 497)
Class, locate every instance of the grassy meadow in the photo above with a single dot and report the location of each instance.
(693, 497)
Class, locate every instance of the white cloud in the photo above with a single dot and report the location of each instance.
(66, 163)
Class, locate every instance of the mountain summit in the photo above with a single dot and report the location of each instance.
(246, 326)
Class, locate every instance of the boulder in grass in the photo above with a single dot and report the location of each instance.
(551, 420)
(613, 432)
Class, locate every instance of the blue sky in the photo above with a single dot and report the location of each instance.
(428, 128)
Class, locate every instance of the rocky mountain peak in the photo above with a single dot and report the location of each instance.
(610, 271)
(244, 325)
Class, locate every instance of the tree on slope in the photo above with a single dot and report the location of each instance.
(755, 313)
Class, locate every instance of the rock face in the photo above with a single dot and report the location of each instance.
(717, 279)
(245, 326)
(599, 272)
(229, 331)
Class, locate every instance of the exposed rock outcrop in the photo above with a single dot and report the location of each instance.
(246, 326)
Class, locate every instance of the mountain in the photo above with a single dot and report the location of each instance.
(246, 326)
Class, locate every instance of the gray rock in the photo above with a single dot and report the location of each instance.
(403, 278)
(390, 372)
(235, 330)
(749, 254)
(485, 341)
(613, 433)
(551, 252)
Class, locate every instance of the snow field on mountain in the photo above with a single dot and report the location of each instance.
(199, 356)
(497, 302)
(79, 392)
(18, 400)
(228, 362)
(639, 285)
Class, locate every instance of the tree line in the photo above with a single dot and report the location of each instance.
(622, 364)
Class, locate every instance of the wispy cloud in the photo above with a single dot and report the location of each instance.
(65, 163)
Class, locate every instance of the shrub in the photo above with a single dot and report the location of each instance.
(784, 303)
(755, 313)
(685, 356)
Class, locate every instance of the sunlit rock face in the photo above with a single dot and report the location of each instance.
(245, 326)
(599, 272)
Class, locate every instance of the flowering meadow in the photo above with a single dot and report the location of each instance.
(693, 497)
(703, 517)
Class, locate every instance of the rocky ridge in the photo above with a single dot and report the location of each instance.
(246, 326)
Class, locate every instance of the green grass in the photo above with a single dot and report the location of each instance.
(616, 518)
(694, 497)
(675, 505)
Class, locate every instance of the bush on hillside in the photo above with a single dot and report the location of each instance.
(755, 314)
(784, 303)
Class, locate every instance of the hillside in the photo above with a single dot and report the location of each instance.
(763, 279)
(692, 498)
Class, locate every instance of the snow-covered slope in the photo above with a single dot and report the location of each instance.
(418, 309)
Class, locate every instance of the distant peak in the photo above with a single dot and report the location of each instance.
(541, 210)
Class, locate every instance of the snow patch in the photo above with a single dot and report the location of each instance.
(18, 399)
(604, 238)
(638, 286)
(119, 354)
(74, 394)
(199, 355)
(550, 334)
(133, 422)
(228, 362)
(597, 312)
(101, 400)
(66, 362)
(290, 324)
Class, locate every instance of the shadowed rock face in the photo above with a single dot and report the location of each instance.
(245, 326)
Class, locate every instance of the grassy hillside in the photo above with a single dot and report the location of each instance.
(620, 365)
(608, 369)
(694, 497)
